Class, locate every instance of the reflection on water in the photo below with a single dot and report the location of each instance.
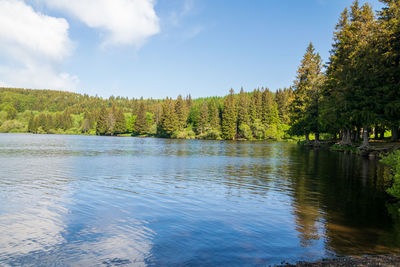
(86, 200)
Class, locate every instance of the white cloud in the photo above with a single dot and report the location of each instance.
(33, 45)
(125, 22)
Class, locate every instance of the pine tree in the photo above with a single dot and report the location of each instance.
(304, 112)
(141, 126)
(283, 99)
(101, 125)
(202, 121)
(214, 115)
(243, 109)
(229, 117)
(120, 123)
(336, 110)
(389, 64)
(168, 121)
(255, 106)
(181, 114)
(270, 115)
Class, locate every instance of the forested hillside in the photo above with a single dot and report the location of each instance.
(356, 94)
(256, 115)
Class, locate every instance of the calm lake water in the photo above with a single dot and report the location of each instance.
(108, 201)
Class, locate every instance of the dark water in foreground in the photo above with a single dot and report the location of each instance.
(93, 201)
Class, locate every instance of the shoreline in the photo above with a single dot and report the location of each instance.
(366, 260)
(375, 149)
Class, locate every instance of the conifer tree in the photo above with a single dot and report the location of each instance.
(120, 123)
(31, 127)
(202, 121)
(283, 99)
(270, 115)
(101, 125)
(181, 114)
(229, 117)
(168, 121)
(389, 65)
(214, 117)
(243, 108)
(305, 113)
(141, 126)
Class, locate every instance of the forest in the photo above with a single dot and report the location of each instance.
(353, 97)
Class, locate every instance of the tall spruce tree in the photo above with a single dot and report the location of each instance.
(389, 65)
(181, 113)
(202, 121)
(243, 110)
(120, 123)
(307, 86)
(214, 116)
(101, 125)
(141, 126)
(168, 121)
(229, 117)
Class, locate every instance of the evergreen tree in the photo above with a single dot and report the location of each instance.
(181, 114)
(270, 115)
(101, 125)
(305, 106)
(202, 121)
(120, 123)
(255, 106)
(214, 116)
(141, 126)
(168, 121)
(229, 117)
(389, 64)
(283, 99)
(243, 109)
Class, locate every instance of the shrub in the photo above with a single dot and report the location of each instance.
(245, 131)
(393, 161)
(12, 126)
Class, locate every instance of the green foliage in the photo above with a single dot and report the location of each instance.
(245, 131)
(305, 106)
(229, 117)
(168, 121)
(203, 119)
(186, 133)
(12, 126)
(258, 129)
(140, 126)
(393, 161)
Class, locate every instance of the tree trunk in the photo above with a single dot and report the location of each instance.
(357, 138)
(307, 137)
(365, 137)
(317, 137)
(346, 137)
(395, 134)
(376, 132)
(382, 134)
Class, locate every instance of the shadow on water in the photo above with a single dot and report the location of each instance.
(346, 193)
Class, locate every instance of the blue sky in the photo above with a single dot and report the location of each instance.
(201, 47)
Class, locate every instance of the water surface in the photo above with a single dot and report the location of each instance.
(107, 201)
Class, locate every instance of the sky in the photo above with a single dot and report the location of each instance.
(155, 49)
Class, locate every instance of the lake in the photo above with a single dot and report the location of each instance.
(109, 201)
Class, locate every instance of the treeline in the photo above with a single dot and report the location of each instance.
(259, 115)
(359, 91)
